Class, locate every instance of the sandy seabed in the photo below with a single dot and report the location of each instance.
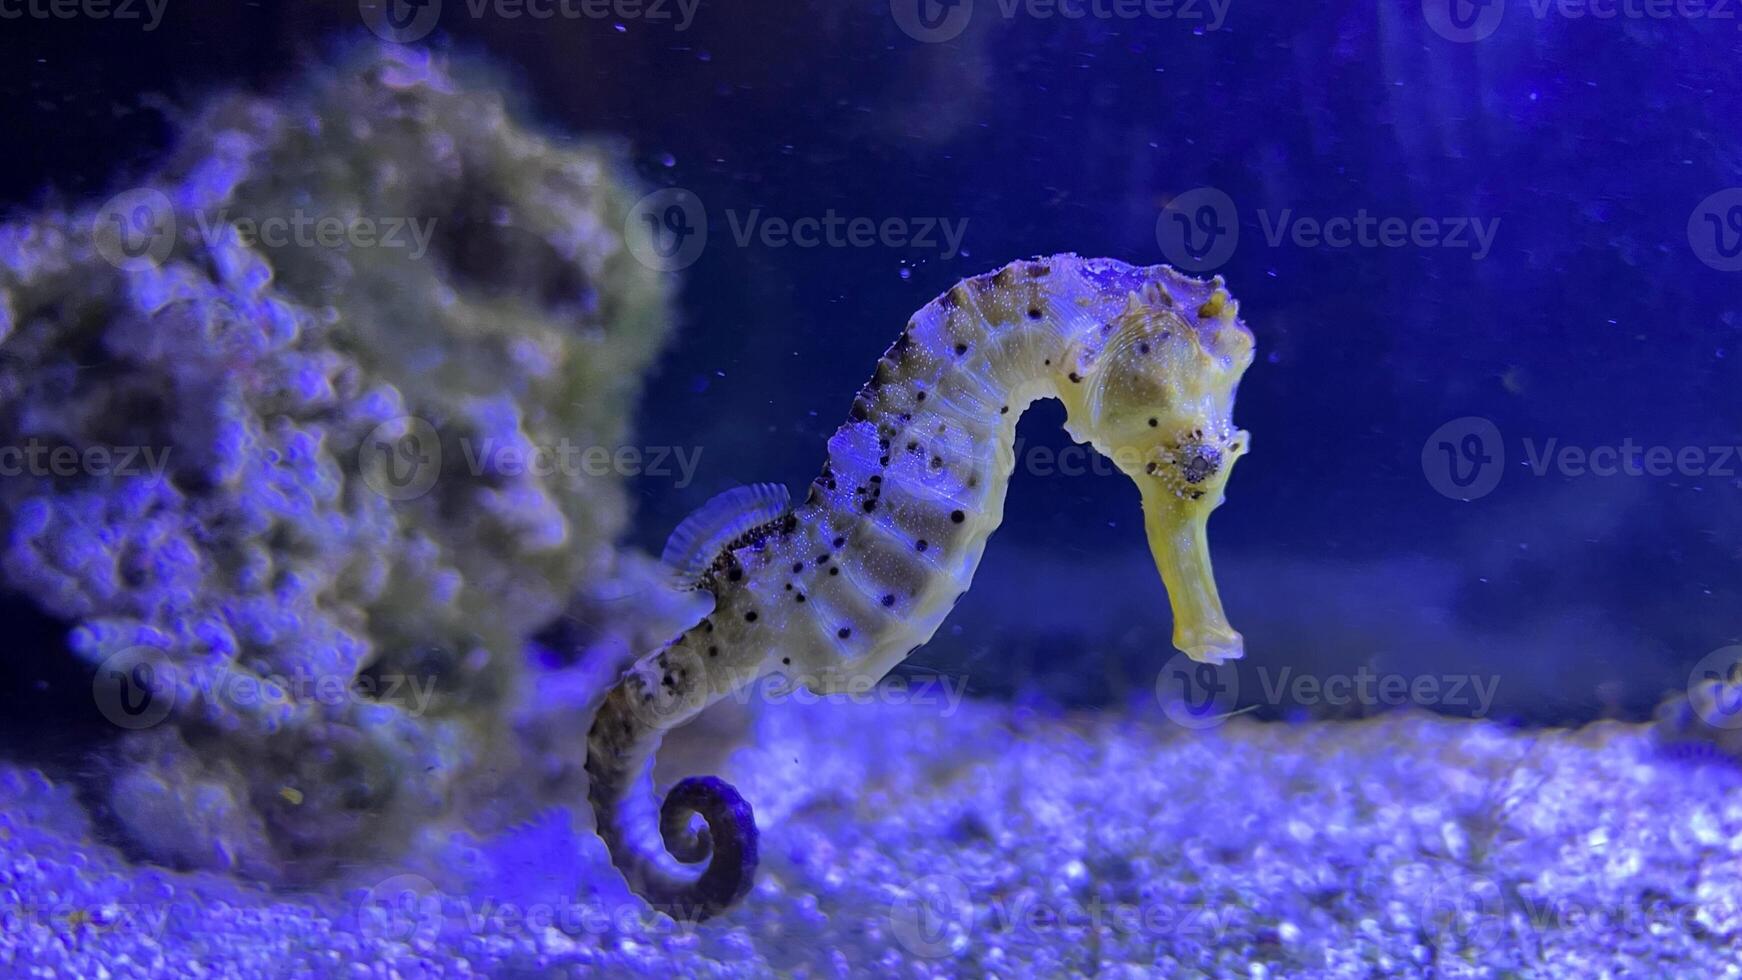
(988, 840)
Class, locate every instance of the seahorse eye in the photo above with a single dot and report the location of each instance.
(1198, 461)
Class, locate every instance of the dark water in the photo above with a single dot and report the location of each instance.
(1551, 267)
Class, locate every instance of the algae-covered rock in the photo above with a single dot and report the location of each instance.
(329, 389)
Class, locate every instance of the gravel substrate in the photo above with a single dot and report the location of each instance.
(928, 840)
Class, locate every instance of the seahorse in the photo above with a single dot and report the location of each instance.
(834, 592)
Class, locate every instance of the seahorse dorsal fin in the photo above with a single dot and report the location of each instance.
(704, 534)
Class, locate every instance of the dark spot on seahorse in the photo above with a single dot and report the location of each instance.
(839, 541)
(919, 397)
(957, 516)
(708, 625)
(1034, 313)
(1150, 469)
(834, 571)
(870, 505)
(799, 597)
(1076, 378)
(907, 416)
(1037, 270)
(668, 682)
(789, 586)
(1154, 422)
(876, 478)
(1199, 462)
(844, 632)
(823, 558)
(735, 574)
(889, 600)
(797, 566)
(713, 651)
(920, 544)
(937, 462)
(1049, 362)
(750, 617)
(912, 444)
(859, 412)
(1005, 410)
(786, 660)
(1143, 348)
(943, 428)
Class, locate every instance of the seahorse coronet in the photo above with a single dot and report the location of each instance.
(836, 591)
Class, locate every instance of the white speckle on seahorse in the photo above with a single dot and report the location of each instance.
(833, 593)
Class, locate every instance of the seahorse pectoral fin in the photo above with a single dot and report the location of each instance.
(1179, 540)
(697, 541)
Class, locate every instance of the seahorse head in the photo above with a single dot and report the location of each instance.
(1154, 391)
